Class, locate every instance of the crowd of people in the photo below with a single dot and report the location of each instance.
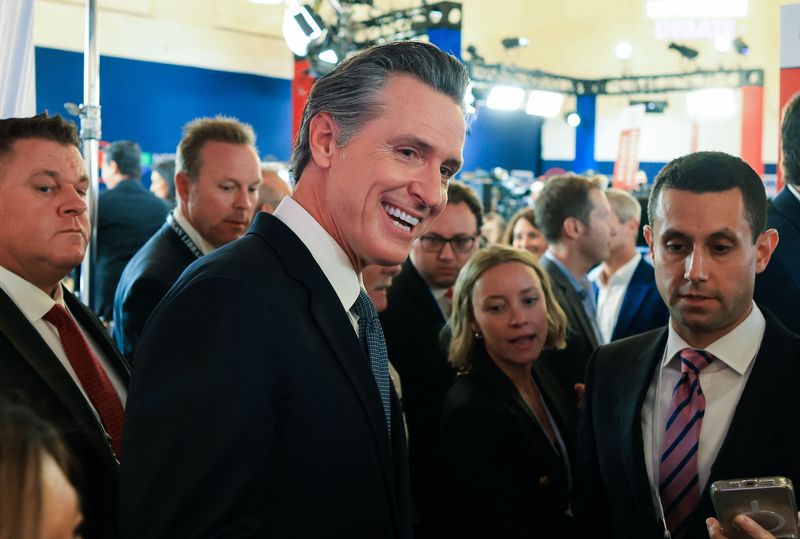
(350, 357)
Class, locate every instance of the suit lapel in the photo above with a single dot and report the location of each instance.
(633, 385)
(632, 301)
(574, 301)
(772, 382)
(33, 349)
(335, 328)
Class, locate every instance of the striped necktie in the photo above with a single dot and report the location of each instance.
(370, 334)
(679, 485)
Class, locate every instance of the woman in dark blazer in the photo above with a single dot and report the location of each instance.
(507, 436)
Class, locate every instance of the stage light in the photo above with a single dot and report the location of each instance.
(712, 103)
(505, 98)
(741, 47)
(573, 119)
(515, 42)
(687, 52)
(542, 103)
(623, 50)
(329, 56)
(300, 28)
(722, 43)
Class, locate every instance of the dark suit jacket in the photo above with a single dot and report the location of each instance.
(501, 476)
(126, 218)
(411, 324)
(253, 411)
(569, 365)
(778, 286)
(642, 307)
(145, 281)
(612, 492)
(32, 375)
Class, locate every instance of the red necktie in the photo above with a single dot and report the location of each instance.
(680, 491)
(91, 375)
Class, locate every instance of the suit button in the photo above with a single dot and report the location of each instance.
(544, 482)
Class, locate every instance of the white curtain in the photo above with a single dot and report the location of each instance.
(17, 72)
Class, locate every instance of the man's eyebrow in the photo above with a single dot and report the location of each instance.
(725, 233)
(426, 148)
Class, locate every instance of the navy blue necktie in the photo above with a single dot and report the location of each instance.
(371, 336)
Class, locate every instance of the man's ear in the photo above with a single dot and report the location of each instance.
(322, 131)
(182, 185)
(648, 237)
(572, 227)
(765, 246)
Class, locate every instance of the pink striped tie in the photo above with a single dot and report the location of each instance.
(680, 491)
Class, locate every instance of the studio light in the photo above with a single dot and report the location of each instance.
(650, 106)
(329, 56)
(515, 42)
(573, 119)
(542, 103)
(722, 43)
(505, 98)
(741, 47)
(300, 28)
(712, 103)
(623, 50)
(687, 52)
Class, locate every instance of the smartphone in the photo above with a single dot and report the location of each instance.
(767, 500)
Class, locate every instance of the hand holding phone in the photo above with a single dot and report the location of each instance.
(768, 501)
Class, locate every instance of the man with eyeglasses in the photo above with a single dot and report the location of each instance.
(419, 305)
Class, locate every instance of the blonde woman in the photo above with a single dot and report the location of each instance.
(507, 433)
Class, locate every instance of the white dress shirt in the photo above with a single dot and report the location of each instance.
(722, 382)
(34, 304)
(201, 243)
(328, 254)
(444, 305)
(611, 294)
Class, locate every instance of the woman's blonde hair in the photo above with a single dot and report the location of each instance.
(462, 318)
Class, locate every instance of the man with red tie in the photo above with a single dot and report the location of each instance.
(668, 412)
(55, 355)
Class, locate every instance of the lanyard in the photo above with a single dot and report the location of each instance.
(184, 237)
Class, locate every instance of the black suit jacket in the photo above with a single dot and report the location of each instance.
(612, 491)
(569, 365)
(126, 218)
(146, 279)
(31, 374)
(642, 307)
(253, 411)
(778, 286)
(411, 324)
(501, 476)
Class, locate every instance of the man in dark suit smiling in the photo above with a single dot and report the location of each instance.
(227, 437)
(668, 412)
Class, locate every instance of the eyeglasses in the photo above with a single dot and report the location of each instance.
(434, 243)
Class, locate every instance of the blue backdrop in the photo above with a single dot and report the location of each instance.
(150, 102)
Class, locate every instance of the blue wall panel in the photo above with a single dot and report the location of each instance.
(508, 139)
(149, 102)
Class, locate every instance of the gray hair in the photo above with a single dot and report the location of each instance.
(350, 93)
(624, 205)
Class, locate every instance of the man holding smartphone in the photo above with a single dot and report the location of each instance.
(668, 412)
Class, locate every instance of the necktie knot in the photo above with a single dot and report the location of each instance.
(693, 361)
(364, 308)
(58, 316)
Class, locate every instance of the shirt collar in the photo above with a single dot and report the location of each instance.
(576, 284)
(201, 243)
(737, 349)
(329, 255)
(621, 276)
(31, 300)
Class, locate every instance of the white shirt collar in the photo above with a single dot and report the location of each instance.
(737, 349)
(621, 276)
(329, 255)
(31, 300)
(201, 243)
